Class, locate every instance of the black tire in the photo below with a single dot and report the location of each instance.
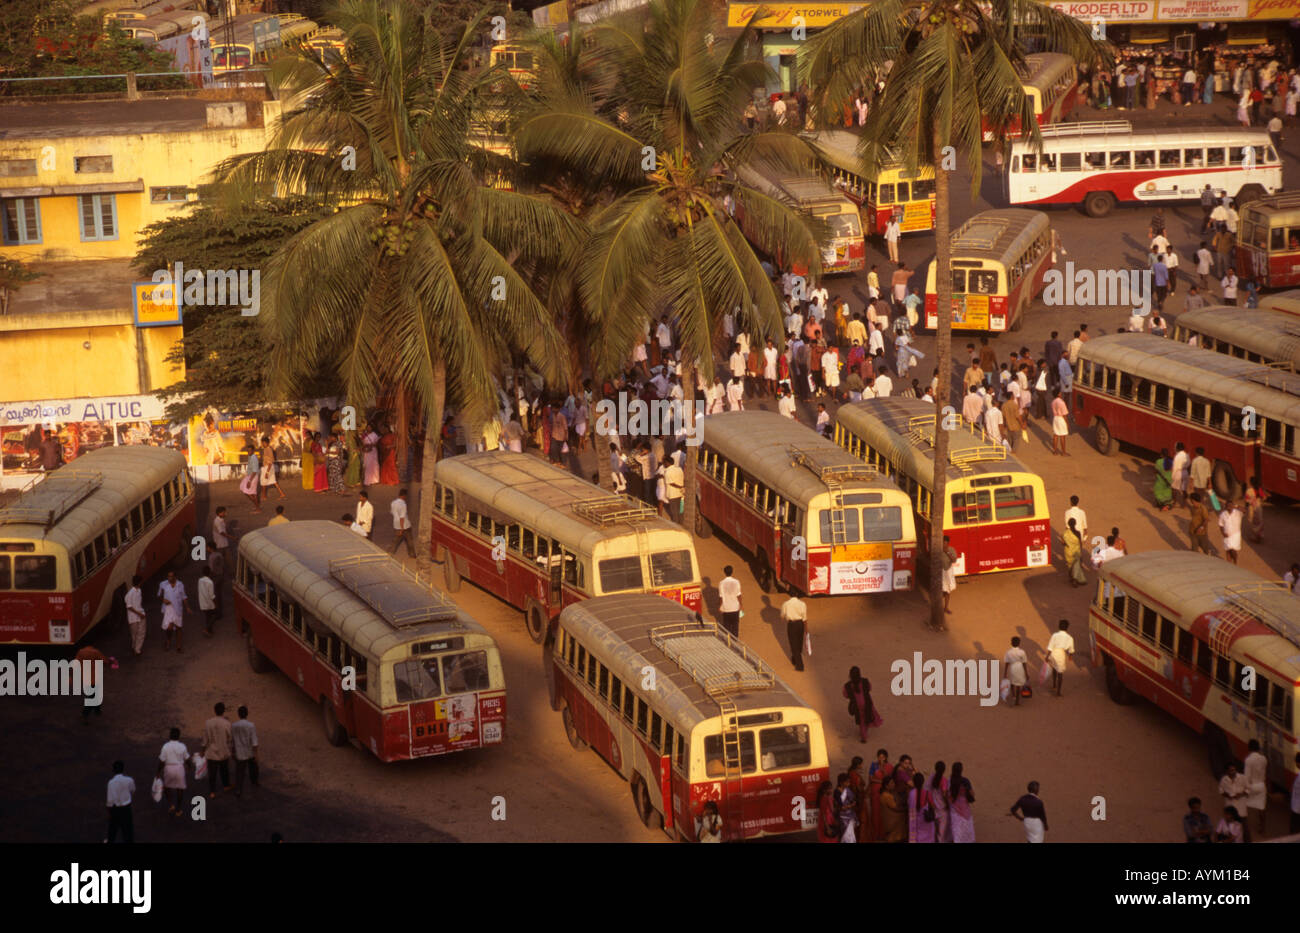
(1115, 687)
(1247, 194)
(1105, 442)
(335, 734)
(450, 575)
(702, 527)
(1217, 750)
(571, 730)
(535, 622)
(259, 662)
(1224, 481)
(763, 572)
(1098, 203)
(645, 809)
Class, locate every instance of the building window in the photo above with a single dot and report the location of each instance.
(98, 217)
(177, 195)
(85, 165)
(16, 168)
(22, 221)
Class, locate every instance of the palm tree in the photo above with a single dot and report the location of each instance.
(954, 62)
(411, 281)
(655, 125)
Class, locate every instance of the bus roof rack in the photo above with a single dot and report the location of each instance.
(920, 430)
(45, 501)
(979, 233)
(830, 473)
(715, 660)
(1250, 598)
(613, 509)
(361, 575)
(1084, 128)
(1280, 200)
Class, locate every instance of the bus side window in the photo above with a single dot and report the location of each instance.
(1144, 158)
(1121, 160)
(1238, 679)
(1204, 658)
(1293, 238)
(1162, 397)
(124, 531)
(1125, 385)
(582, 662)
(147, 508)
(1277, 239)
(1030, 162)
(1186, 646)
(903, 193)
(530, 548)
(512, 538)
(1214, 157)
(1180, 404)
(679, 753)
(1192, 158)
(571, 649)
(1200, 409)
(1259, 696)
(615, 693)
(592, 665)
(137, 521)
(1277, 703)
(1272, 433)
(886, 194)
(1166, 634)
(629, 703)
(642, 716)
(1222, 671)
(112, 538)
(656, 731)
(602, 687)
(78, 564)
(167, 496)
(101, 550)
(1071, 161)
(1093, 161)
(1171, 158)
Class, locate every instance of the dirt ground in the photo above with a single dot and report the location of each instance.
(1079, 747)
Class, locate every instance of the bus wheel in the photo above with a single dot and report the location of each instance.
(535, 622)
(1098, 203)
(1225, 482)
(1216, 746)
(763, 572)
(1114, 686)
(335, 734)
(450, 574)
(645, 809)
(1247, 194)
(702, 526)
(259, 662)
(571, 730)
(1105, 443)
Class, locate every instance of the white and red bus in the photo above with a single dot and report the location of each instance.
(845, 250)
(999, 262)
(713, 723)
(1153, 392)
(1099, 165)
(1052, 84)
(769, 483)
(541, 538)
(392, 663)
(1210, 643)
(894, 191)
(996, 514)
(1268, 245)
(70, 543)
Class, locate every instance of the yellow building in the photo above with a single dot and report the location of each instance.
(82, 179)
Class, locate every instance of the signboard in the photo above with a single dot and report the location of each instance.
(1201, 11)
(105, 408)
(916, 216)
(1111, 11)
(1178, 11)
(971, 311)
(782, 15)
(864, 576)
(154, 304)
(217, 440)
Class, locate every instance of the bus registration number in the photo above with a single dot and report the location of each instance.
(1036, 557)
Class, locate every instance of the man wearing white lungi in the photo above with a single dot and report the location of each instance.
(172, 593)
(1029, 810)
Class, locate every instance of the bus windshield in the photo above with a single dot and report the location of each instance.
(780, 747)
(671, 568)
(418, 679)
(844, 225)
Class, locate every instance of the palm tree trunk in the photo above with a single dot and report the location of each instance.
(943, 360)
(688, 398)
(400, 429)
(432, 447)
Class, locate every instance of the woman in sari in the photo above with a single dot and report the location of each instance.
(388, 458)
(938, 788)
(903, 774)
(1255, 509)
(308, 463)
(320, 473)
(1164, 487)
(334, 463)
(352, 446)
(877, 776)
(1074, 555)
(919, 829)
(858, 692)
(828, 825)
(893, 804)
(370, 455)
(963, 821)
(858, 784)
(846, 806)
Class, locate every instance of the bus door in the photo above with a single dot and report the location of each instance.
(970, 508)
(555, 578)
(793, 561)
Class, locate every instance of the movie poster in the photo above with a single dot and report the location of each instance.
(218, 442)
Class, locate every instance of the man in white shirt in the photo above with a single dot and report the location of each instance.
(883, 384)
(207, 601)
(795, 613)
(135, 619)
(1059, 646)
(715, 396)
(1233, 787)
(401, 525)
(737, 363)
(1179, 471)
(1229, 284)
(674, 486)
(819, 296)
(1255, 770)
(993, 424)
(794, 322)
(972, 406)
(875, 340)
(1231, 218)
(786, 405)
(664, 337)
(1204, 263)
(729, 593)
(1080, 517)
(736, 394)
(352, 524)
(1189, 86)
(892, 233)
(365, 514)
(172, 593)
(120, 789)
(220, 535)
(1072, 349)
(1159, 243)
(1137, 321)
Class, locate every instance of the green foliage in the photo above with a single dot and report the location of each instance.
(226, 354)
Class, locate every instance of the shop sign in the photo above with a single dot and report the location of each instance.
(782, 15)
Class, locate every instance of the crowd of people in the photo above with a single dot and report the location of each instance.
(896, 802)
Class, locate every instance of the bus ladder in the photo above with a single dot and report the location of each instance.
(732, 776)
(833, 475)
(1248, 599)
(1231, 619)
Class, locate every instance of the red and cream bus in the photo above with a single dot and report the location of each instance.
(894, 191)
(999, 261)
(540, 538)
(996, 514)
(688, 715)
(845, 249)
(1268, 247)
(70, 544)
(815, 519)
(1210, 643)
(1153, 392)
(1052, 84)
(393, 665)
(1265, 337)
(1099, 165)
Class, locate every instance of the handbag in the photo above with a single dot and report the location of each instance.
(1026, 691)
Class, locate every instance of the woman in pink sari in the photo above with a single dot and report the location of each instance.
(370, 456)
(938, 788)
(858, 692)
(320, 467)
(963, 821)
(919, 829)
(879, 772)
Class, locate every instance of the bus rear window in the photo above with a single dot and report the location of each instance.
(416, 680)
(982, 283)
(883, 523)
(714, 766)
(669, 568)
(851, 532)
(785, 747)
(923, 189)
(466, 672)
(34, 573)
(1014, 502)
(620, 573)
(844, 225)
(969, 508)
(886, 195)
